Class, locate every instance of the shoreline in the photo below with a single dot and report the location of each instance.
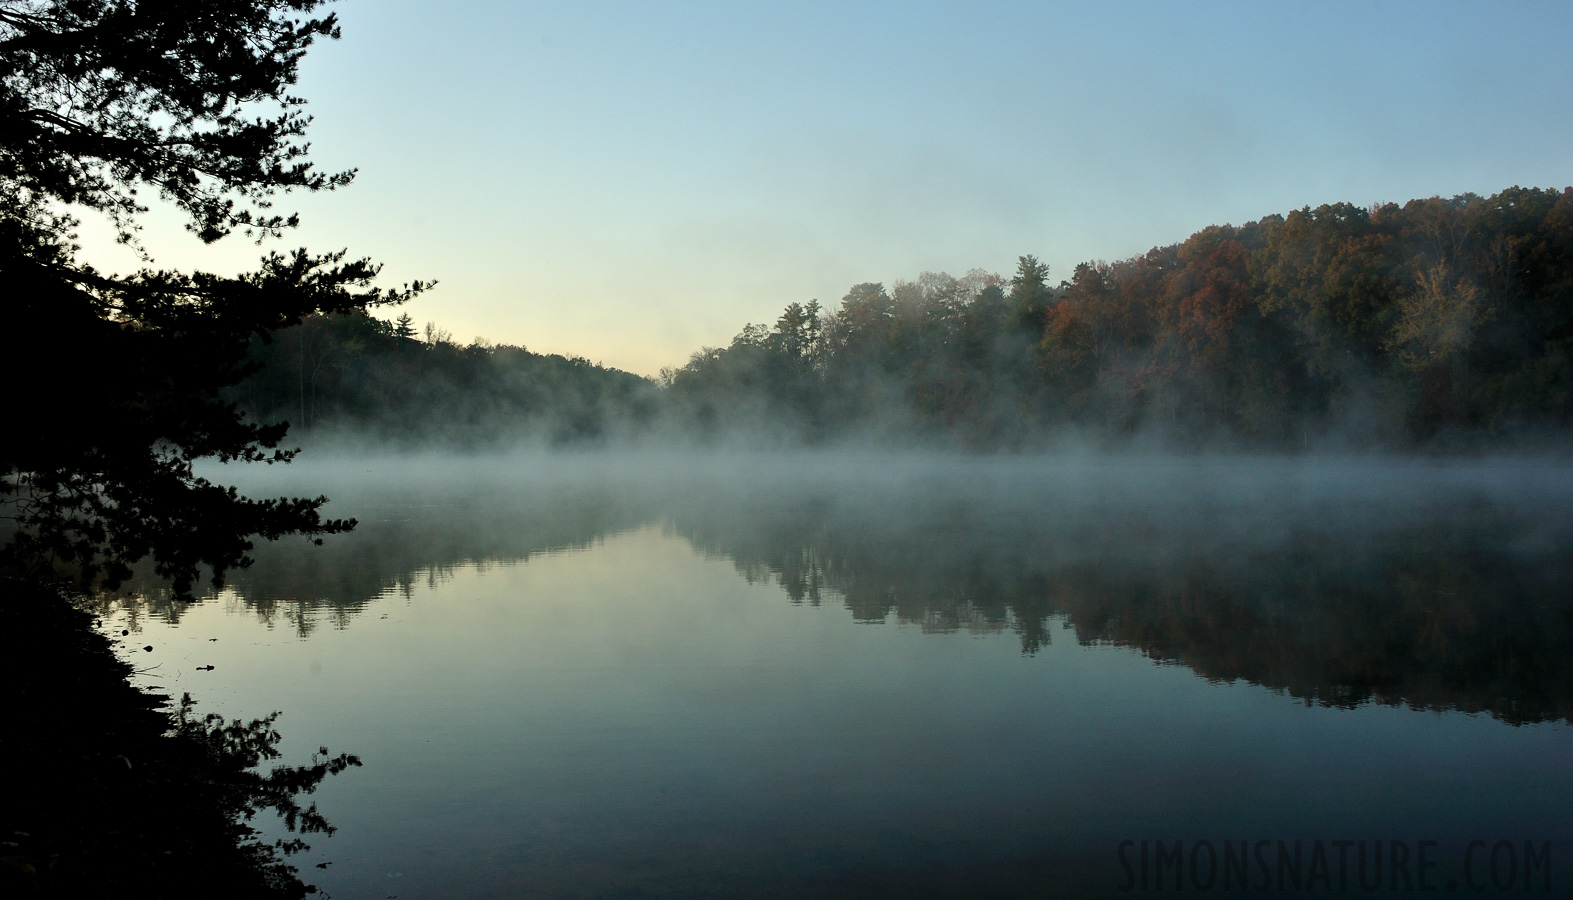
(119, 792)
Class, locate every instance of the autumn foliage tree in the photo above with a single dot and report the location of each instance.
(1426, 323)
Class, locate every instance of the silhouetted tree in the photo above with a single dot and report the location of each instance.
(101, 100)
(404, 327)
(1029, 292)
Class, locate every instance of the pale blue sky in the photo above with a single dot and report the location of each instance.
(629, 182)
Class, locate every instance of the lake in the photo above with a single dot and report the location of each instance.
(621, 675)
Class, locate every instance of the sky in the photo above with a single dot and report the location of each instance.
(631, 182)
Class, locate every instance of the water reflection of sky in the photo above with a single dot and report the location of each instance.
(572, 692)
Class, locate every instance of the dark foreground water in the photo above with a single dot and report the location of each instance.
(621, 676)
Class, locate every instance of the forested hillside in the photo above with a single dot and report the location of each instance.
(1390, 325)
(1429, 323)
(368, 377)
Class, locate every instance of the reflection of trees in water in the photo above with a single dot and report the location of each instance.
(873, 588)
(1417, 622)
(1441, 602)
(1444, 611)
(404, 546)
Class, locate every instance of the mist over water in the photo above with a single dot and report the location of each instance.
(884, 674)
(965, 585)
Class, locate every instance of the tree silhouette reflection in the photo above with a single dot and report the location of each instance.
(1435, 598)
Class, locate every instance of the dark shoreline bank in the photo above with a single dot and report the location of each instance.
(118, 792)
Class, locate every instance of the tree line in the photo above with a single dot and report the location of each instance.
(356, 373)
(1426, 322)
(1429, 323)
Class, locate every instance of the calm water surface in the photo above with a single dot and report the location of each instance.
(615, 676)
